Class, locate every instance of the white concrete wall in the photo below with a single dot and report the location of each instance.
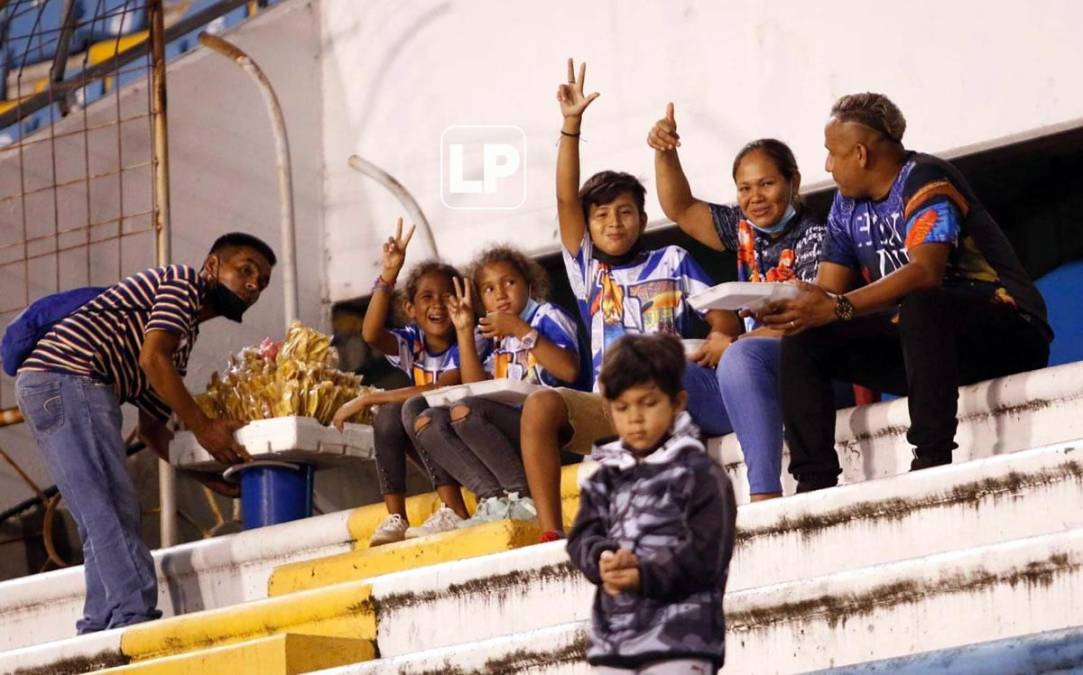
(223, 178)
(223, 164)
(397, 74)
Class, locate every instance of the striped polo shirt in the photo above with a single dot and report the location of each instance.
(103, 338)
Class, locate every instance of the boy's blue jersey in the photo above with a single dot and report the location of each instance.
(648, 295)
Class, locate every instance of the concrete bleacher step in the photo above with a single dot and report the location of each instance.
(965, 506)
(283, 654)
(850, 529)
(559, 649)
(996, 417)
(207, 574)
(944, 509)
(413, 553)
(916, 514)
(1056, 651)
(950, 599)
(83, 654)
(342, 611)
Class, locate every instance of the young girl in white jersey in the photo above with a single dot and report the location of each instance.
(426, 350)
(526, 338)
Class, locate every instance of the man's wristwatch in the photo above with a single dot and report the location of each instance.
(530, 340)
(844, 309)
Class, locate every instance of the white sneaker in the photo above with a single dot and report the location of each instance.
(443, 520)
(392, 529)
(521, 508)
(490, 510)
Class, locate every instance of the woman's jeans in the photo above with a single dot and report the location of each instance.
(748, 379)
(705, 401)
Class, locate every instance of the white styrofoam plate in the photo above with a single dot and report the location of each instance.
(690, 346)
(735, 295)
(299, 439)
(503, 390)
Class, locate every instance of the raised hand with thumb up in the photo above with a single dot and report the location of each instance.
(663, 136)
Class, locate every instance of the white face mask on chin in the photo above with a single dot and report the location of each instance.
(778, 227)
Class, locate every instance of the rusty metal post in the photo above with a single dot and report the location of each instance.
(288, 255)
(167, 475)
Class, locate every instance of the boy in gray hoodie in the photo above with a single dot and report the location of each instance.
(655, 528)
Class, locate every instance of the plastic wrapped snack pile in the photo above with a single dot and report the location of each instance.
(298, 376)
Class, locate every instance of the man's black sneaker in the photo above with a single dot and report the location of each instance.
(928, 460)
(810, 482)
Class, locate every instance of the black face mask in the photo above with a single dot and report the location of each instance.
(629, 256)
(226, 303)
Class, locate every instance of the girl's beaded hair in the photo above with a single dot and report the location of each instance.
(534, 273)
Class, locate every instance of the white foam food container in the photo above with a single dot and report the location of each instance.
(503, 390)
(298, 439)
(691, 346)
(735, 295)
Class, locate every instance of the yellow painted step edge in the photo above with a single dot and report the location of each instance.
(107, 49)
(344, 610)
(410, 554)
(364, 520)
(569, 490)
(276, 655)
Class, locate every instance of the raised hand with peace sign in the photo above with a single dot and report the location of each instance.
(663, 136)
(569, 210)
(461, 309)
(394, 253)
(570, 94)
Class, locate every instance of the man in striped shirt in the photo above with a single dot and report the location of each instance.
(130, 344)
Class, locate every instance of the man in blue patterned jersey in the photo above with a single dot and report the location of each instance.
(130, 344)
(918, 292)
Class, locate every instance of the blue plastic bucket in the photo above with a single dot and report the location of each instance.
(274, 492)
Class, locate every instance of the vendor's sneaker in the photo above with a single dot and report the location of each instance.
(490, 510)
(392, 529)
(443, 520)
(521, 508)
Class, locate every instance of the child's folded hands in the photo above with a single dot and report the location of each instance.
(619, 571)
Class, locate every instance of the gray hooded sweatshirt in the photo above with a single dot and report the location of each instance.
(675, 509)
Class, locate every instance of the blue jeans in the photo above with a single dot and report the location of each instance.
(76, 422)
(705, 401)
(748, 379)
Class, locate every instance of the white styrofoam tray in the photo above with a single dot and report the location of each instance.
(503, 390)
(691, 346)
(734, 295)
(282, 438)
